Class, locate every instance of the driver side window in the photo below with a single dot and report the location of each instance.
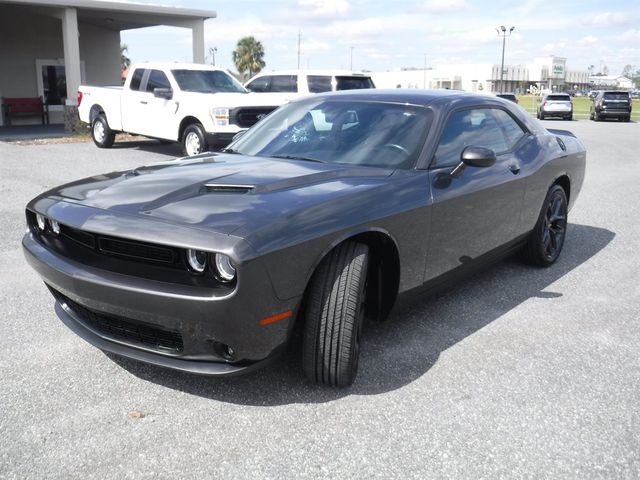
(477, 126)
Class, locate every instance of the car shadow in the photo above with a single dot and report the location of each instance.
(402, 349)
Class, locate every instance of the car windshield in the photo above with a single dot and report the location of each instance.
(365, 133)
(207, 81)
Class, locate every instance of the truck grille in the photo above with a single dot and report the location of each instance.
(125, 329)
(247, 117)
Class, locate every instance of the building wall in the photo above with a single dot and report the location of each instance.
(26, 35)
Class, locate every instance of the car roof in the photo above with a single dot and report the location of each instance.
(175, 66)
(312, 72)
(413, 96)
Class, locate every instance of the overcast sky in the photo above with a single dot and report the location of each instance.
(389, 35)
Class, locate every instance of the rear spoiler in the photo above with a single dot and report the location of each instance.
(565, 133)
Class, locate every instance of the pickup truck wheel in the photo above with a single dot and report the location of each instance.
(101, 134)
(547, 238)
(333, 316)
(193, 141)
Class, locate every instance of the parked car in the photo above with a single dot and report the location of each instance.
(611, 104)
(508, 96)
(287, 85)
(556, 105)
(197, 105)
(333, 208)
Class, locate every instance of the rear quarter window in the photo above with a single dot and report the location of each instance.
(353, 83)
(136, 79)
(319, 83)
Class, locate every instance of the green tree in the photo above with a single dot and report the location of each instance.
(248, 57)
(125, 61)
(627, 71)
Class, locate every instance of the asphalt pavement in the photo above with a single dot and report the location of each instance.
(517, 372)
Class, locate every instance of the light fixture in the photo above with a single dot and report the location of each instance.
(225, 269)
(197, 260)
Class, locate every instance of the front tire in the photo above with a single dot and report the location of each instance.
(547, 238)
(193, 140)
(101, 134)
(334, 316)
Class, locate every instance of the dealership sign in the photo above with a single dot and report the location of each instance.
(558, 70)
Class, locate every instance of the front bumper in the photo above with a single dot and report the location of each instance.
(127, 308)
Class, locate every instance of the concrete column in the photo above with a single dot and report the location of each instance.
(197, 38)
(71, 66)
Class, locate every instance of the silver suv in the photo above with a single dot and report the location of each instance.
(556, 105)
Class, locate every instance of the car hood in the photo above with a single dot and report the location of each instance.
(221, 192)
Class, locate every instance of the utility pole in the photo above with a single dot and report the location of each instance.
(502, 32)
(351, 59)
(298, 49)
(424, 73)
(212, 52)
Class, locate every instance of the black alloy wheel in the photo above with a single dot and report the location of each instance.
(547, 238)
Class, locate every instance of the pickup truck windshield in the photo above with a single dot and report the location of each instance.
(207, 81)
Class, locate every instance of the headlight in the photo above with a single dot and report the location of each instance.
(220, 116)
(41, 221)
(55, 227)
(197, 260)
(225, 269)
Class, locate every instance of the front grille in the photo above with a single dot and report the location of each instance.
(125, 329)
(247, 117)
(136, 250)
(131, 249)
(78, 236)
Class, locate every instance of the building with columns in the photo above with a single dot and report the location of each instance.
(49, 47)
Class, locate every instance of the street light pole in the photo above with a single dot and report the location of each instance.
(351, 68)
(502, 32)
(424, 72)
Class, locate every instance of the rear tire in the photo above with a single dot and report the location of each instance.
(193, 140)
(547, 238)
(541, 117)
(334, 316)
(101, 134)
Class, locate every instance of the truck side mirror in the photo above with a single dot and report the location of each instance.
(165, 93)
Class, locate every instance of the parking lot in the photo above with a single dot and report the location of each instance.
(516, 373)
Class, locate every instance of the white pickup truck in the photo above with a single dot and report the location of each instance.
(197, 105)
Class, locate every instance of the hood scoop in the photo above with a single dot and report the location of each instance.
(227, 188)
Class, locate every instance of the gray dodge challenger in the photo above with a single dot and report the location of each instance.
(330, 210)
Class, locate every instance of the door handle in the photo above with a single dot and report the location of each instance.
(144, 102)
(515, 168)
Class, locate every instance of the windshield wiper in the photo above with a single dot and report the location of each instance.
(229, 150)
(296, 157)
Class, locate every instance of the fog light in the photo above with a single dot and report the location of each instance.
(55, 227)
(41, 221)
(197, 260)
(225, 268)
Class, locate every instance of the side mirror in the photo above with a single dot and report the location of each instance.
(474, 157)
(165, 93)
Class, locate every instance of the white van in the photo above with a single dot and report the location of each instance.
(297, 83)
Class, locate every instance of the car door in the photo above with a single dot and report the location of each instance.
(479, 209)
(134, 101)
(160, 113)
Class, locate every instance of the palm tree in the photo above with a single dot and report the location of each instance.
(248, 56)
(125, 61)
